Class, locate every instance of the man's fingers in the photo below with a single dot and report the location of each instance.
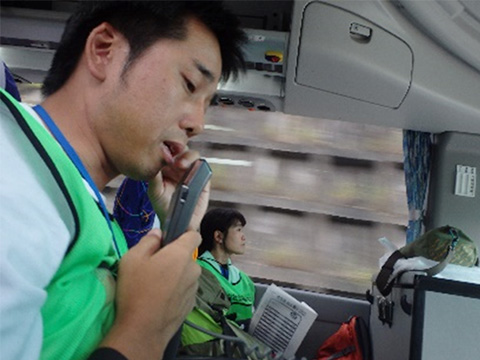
(174, 172)
(186, 159)
(151, 242)
(190, 240)
(185, 244)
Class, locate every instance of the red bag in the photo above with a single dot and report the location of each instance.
(350, 342)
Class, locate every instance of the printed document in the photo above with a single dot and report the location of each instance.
(281, 321)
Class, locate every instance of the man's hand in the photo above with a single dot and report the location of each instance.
(162, 187)
(155, 292)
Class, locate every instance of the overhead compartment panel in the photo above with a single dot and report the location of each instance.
(344, 54)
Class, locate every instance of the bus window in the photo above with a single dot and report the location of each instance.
(317, 194)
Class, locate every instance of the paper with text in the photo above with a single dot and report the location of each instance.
(281, 321)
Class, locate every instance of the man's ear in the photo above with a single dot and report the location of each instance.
(99, 49)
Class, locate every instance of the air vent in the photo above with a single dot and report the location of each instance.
(245, 102)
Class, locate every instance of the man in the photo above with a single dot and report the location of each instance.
(129, 85)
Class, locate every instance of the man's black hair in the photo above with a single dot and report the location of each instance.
(143, 23)
(217, 219)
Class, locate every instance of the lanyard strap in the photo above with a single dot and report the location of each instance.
(57, 134)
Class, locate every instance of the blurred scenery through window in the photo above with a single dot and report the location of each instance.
(317, 194)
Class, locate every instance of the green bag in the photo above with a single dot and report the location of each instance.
(445, 244)
(437, 243)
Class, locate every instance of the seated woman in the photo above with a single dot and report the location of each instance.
(222, 237)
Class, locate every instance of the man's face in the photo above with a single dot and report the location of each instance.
(235, 241)
(160, 102)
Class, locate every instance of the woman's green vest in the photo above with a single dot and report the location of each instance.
(79, 309)
(209, 312)
(241, 293)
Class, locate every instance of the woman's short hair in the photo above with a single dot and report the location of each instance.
(217, 219)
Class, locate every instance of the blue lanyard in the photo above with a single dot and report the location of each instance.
(78, 163)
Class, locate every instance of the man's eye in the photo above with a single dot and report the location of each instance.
(190, 86)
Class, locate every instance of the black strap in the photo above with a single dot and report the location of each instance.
(344, 352)
(106, 353)
(434, 270)
(173, 345)
(382, 282)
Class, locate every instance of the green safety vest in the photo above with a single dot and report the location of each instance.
(209, 313)
(79, 308)
(240, 290)
(211, 304)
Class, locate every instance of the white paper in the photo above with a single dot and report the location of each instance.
(281, 321)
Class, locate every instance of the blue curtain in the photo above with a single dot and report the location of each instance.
(417, 148)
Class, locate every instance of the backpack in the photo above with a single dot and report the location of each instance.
(445, 245)
(350, 342)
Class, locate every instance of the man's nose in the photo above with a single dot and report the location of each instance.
(194, 122)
